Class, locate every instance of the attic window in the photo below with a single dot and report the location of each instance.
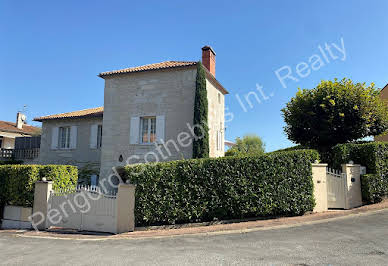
(219, 97)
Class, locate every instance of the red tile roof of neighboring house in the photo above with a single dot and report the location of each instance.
(164, 65)
(11, 127)
(92, 112)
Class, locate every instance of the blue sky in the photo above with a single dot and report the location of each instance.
(52, 51)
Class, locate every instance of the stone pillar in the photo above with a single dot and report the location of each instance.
(125, 212)
(41, 200)
(320, 186)
(353, 197)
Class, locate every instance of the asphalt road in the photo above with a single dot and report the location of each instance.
(358, 240)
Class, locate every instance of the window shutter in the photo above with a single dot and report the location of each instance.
(134, 131)
(93, 136)
(54, 138)
(73, 137)
(160, 127)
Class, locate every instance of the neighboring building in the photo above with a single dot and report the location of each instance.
(384, 96)
(72, 138)
(148, 113)
(9, 131)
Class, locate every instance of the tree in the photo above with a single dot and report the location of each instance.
(248, 145)
(200, 144)
(335, 112)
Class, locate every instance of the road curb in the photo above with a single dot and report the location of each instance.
(284, 223)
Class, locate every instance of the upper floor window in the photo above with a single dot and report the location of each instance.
(99, 136)
(219, 97)
(148, 129)
(95, 136)
(64, 137)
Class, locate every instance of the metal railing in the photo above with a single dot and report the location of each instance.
(6, 153)
(19, 154)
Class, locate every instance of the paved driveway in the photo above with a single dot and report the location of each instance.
(356, 240)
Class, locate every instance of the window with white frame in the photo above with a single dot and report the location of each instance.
(99, 136)
(148, 129)
(64, 138)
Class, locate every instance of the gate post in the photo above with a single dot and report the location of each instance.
(353, 196)
(41, 200)
(125, 211)
(320, 186)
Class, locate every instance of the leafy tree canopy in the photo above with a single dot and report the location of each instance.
(249, 144)
(335, 112)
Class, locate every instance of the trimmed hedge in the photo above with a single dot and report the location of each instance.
(373, 187)
(373, 155)
(11, 162)
(223, 188)
(17, 182)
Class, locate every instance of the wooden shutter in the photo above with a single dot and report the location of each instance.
(54, 138)
(134, 131)
(93, 136)
(160, 128)
(73, 137)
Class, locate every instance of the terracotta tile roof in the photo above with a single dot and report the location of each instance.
(164, 65)
(92, 112)
(11, 127)
(156, 66)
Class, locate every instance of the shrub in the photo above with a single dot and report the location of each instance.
(373, 155)
(11, 162)
(374, 187)
(17, 182)
(223, 188)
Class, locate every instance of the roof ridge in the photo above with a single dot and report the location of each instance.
(154, 66)
(91, 111)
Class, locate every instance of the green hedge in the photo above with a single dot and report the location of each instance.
(373, 155)
(11, 162)
(17, 181)
(223, 188)
(374, 187)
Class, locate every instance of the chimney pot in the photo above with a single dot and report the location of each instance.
(209, 59)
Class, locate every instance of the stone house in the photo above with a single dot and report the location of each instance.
(384, 96)
(9, 131)
(147, 116)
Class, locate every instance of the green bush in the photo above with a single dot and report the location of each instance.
(372, 155)
(223, 188)
(17, 182)
(374, 187)
(11, 162)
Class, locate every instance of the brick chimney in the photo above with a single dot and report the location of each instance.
(209, 59)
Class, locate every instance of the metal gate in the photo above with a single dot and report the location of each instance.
(83, 208)
(336, 187)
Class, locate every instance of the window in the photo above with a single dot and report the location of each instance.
(219, 97)
(64, 138)
(99, 136)
(220, 138)
(148, 129)
(1, 142)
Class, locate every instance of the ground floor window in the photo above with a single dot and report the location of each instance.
(148, 129)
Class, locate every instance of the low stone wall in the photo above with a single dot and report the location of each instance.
(15, 217)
